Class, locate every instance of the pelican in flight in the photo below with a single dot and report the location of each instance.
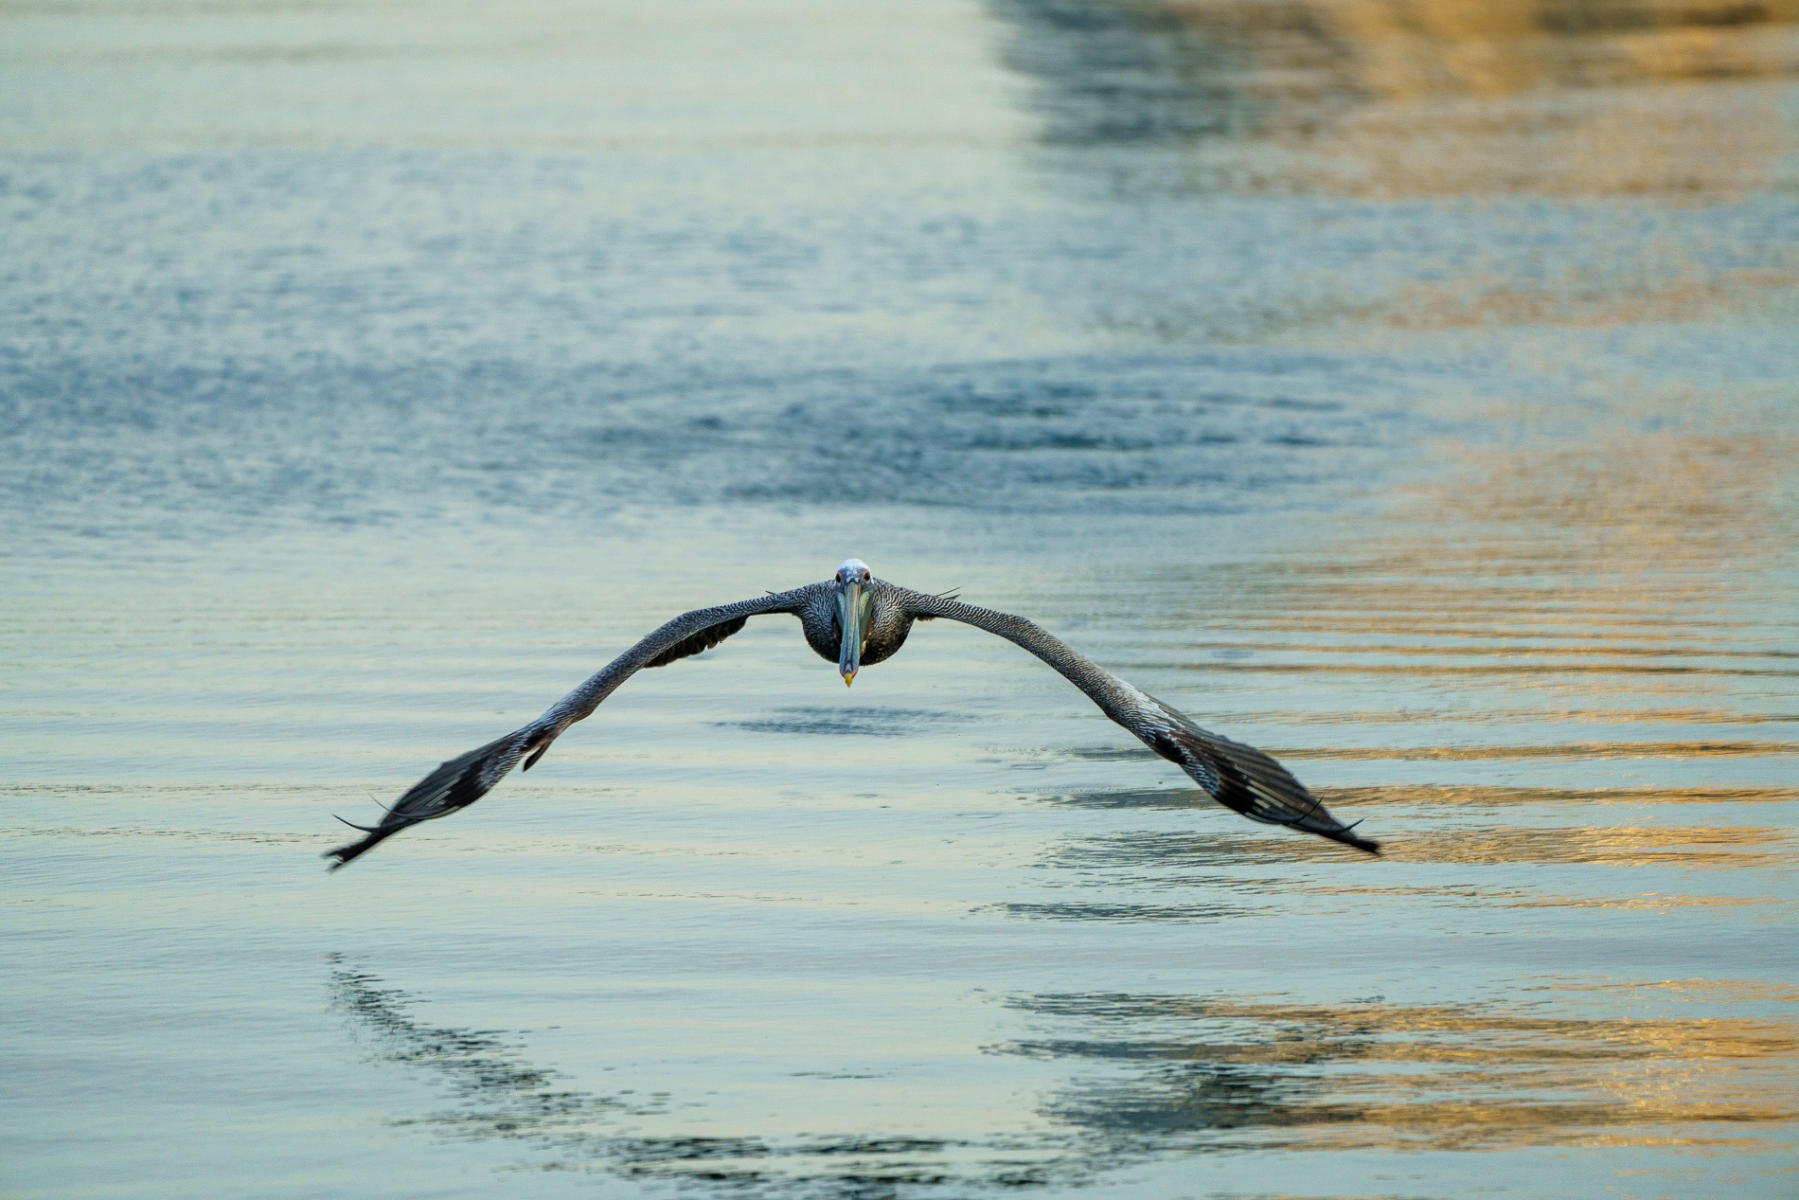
(860, 620)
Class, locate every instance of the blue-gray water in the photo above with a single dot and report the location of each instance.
(1411, 391)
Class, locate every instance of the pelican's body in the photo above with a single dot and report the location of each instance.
(858, 620)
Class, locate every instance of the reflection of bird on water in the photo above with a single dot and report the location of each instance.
(860, 620)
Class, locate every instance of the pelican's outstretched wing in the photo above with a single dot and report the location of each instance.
(1237, 776)
(462, 781)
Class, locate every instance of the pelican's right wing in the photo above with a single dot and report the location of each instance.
(1239, 777)
(461, 781)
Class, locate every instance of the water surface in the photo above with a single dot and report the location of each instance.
(1408, 393)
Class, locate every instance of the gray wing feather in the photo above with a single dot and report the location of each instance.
(1237, 776)
(461, 781)
(705, 639)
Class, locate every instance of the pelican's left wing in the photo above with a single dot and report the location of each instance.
(461, 781)
(1239, 777)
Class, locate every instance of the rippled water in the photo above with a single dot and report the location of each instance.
(1408, 391)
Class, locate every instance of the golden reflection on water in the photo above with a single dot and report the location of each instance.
(1406, 98)
(1707, 991)
(1491, 96)
(1436, 796)
(1707, 847)
(1694, 495)
(1399, 49)
(1512, 898)
(1166, 859)
(1511, 645)
(1584, 751)
(1590, 587)
(1613, 563)
(1246, 1070)
(1491, 301)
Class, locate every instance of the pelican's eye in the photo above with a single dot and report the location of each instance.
(864, 574)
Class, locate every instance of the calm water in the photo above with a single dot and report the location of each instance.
(1411, 392)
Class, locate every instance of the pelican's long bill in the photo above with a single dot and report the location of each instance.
(853, 609)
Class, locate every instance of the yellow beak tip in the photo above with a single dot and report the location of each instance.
(848, 679)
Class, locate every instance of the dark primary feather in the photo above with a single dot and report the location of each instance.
(455, 784)
(1248, 781)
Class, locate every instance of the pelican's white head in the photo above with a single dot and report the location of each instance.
(855, 610)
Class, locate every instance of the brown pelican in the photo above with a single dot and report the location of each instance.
(860, 620)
